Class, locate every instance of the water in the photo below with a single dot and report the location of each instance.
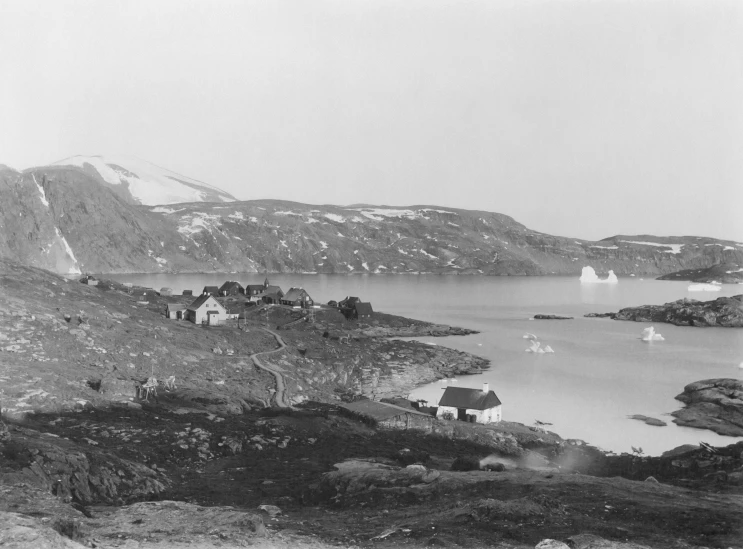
(600, 373)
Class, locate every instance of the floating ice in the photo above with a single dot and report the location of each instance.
(589, 275)
(648, 334)
(527, 335)
(702, 287)
(548, 349)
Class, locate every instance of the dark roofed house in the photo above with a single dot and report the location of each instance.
(271, 299)
(297, 297)
(231, 288)
(362, 310)
(187, 292)
(460, 402)
(210, 290)
(348, 303)
(390, 416)
(254, 291)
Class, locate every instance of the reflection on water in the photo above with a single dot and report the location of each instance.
(600, 372)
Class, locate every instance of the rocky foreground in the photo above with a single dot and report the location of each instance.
(714, 404)
(213, 462)
(722, 312)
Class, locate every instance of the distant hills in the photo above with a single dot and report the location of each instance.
(77, 216)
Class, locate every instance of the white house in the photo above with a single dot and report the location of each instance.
(460, 402)
(206, 310)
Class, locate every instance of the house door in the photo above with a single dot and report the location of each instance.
(462, 414)
(210, 318)
(179, 315)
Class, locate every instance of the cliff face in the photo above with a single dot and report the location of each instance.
(64, 219)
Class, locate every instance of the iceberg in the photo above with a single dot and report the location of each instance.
(537, 348)
(527, 335)
(703, 287)
(588, 275)
(648, 334)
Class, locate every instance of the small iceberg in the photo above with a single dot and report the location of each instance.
(648, 334)
(703, 287)
(588, 275)
(537, 348)
(527, 335)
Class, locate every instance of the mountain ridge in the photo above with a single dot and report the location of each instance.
(67, 219)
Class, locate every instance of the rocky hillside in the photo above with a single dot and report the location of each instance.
(65, 219)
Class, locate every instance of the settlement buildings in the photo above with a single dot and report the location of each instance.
(206, 310)
(297, 297)
(470, 405)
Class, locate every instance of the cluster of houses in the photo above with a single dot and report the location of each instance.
(457, 403)
(206, 309)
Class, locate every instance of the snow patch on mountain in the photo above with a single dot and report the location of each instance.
(147, 183)
(41, 192)
(675, 248)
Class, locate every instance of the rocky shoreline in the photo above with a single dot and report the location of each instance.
(714, 404)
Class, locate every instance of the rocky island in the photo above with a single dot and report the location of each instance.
(722, 312)
(249, 444)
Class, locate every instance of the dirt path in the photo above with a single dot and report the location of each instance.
(280, 386)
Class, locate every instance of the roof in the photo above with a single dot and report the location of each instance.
(201, 300)
(274, 289)
(229, 285)
(211, 289)
(364, 308)
(349, 301)
(254, 287)
(378, 410)
(474, 399)
(176, 307)
(294, 294)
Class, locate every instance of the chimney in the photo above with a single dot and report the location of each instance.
(485, 387)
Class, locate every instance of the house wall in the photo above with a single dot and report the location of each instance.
(491, 415)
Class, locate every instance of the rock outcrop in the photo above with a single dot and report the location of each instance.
(723, 311)
(714, 404)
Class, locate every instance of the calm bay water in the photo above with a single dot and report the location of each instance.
(600, 373)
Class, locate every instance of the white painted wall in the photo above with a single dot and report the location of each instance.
(491, 415)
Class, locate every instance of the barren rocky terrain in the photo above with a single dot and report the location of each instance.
(213, 461)
(724, 312)
(64, 217)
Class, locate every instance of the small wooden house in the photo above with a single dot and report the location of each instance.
(361, 310)
(206, 310)
(166, 291)
(254, 291)
(175, 311)
(470, 405)
(231, 288)
(297, 297)
(210, 290)
(89, 280)
(187, 292)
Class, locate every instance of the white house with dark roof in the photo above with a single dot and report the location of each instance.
(206, 310)
(461, 402)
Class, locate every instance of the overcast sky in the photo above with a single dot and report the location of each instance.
(577, 118)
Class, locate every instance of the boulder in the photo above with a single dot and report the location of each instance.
(23, 532)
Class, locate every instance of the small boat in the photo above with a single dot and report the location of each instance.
(704, 287)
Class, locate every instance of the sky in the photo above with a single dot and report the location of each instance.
(582, 118)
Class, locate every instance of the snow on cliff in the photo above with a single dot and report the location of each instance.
(147, 183)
